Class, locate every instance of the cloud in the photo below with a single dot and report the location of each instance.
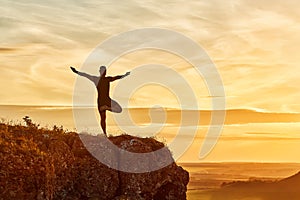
(7, 50)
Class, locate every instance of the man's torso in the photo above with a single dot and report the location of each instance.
(103, 90)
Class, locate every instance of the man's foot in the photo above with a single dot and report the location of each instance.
(104, 107)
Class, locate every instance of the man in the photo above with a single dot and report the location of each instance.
(102, 83)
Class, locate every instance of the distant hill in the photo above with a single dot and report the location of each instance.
(285, 189)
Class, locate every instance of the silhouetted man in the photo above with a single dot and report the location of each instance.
(104, 101)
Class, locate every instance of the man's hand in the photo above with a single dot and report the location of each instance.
(127, 73)
(74, 70)
(123, 76)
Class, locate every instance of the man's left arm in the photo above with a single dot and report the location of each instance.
(119, 77)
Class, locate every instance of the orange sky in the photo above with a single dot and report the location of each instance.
(253, 44)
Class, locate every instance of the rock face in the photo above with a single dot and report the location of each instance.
(167, 183)
(38, 163)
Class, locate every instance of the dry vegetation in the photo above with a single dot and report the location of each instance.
(42, 163)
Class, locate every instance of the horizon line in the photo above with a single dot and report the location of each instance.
(257, 110)
(237, 162)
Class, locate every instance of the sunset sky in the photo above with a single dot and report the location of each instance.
(254, 45)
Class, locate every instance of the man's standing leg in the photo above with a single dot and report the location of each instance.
(103, 121)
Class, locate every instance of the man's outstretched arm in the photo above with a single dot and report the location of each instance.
(88, 76)
(119, 77)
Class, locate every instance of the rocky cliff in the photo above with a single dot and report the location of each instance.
(38, 163)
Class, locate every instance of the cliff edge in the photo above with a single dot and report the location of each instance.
(38, 163)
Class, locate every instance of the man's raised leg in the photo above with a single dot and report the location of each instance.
(115, 107)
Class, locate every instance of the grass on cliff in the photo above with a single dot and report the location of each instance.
(31, 138)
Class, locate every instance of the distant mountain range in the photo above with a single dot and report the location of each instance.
(285, 189)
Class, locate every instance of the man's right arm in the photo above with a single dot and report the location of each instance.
(88, 76)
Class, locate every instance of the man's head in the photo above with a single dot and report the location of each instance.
(102, 70)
